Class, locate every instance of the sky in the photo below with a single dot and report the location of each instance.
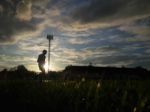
(101, 32)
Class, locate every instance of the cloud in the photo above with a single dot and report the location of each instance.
(104, 56)
(31, 45)
(9, 61)
(15, 19)
(76, 16)
(23, 16)
(140, 28)
(77, 56)
(79, 41)
(23, 10)
(132, 60)
(104, 32)
(96, 10)
(112, 10)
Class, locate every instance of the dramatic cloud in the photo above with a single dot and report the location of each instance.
(104, 32)
(14, 19)
(106, 11)
(23, 16)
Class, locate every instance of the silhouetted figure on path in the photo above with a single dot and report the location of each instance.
(41, 61)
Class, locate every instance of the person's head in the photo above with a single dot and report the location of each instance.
(44, 51)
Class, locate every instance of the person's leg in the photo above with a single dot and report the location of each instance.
(41, 67)
(41, 74)
(43, 70)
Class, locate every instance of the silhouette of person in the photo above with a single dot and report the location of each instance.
(41, 61)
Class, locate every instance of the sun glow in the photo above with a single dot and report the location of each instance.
(52, 67)
(46, 67)
(34, 67)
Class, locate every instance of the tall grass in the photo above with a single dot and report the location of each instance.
(76, 96)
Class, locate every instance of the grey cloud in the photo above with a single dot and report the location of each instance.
(8, 7)
(15, 17)
(140, 29)
(22, 16)
(10, 27)
(122, 60)
(110, 56)
(143, 22)
(85, 55)
(101, 10)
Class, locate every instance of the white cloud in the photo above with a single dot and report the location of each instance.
(80, 41)
(24, 10)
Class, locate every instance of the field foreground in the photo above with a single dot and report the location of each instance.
(76, 96)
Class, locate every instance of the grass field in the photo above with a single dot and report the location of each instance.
(76, 96)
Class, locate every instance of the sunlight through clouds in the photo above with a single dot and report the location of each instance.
(113, 33)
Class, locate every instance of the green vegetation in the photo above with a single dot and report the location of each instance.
(76, 96)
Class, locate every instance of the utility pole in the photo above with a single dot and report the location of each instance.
(49, 37)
